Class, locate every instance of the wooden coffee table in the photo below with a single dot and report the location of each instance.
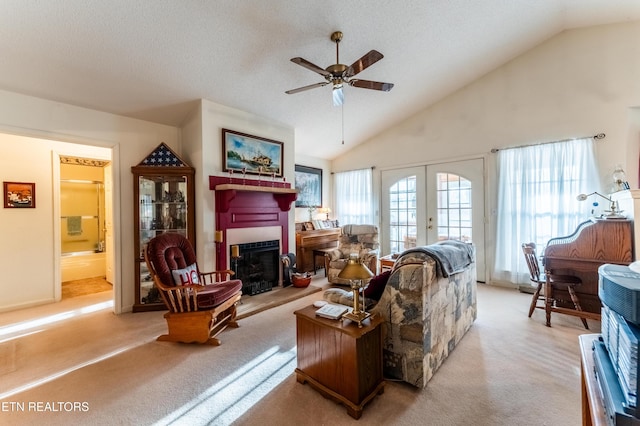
(340, 360)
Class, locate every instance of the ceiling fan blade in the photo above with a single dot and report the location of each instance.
(365, 62)
(310, 66)
(373, 85)
(302, 89)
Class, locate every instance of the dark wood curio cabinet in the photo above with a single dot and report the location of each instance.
(163, 192)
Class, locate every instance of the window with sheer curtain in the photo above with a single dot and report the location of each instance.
(353, 195)
(537, 190)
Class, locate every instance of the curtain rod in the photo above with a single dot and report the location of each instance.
(353, 170)
(596, 137)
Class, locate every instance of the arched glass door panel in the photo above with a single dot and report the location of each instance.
(403, 214)
(454, 207)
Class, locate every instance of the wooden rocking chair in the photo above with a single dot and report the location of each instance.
(201, 305)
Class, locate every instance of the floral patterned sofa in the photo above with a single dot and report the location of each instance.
(427, 309)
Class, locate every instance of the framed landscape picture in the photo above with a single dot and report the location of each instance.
(19, 195)
(251, 154)
(309, 186)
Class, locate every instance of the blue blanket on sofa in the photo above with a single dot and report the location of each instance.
(451, 256)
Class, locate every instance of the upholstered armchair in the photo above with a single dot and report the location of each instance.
(201, 305)
(355, 239)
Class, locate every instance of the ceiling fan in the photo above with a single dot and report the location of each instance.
(339, 74)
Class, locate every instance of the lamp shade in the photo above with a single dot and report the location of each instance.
(355, 270)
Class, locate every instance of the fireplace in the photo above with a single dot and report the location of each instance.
(253, 218)
(257, 266)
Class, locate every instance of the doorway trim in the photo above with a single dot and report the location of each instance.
(57, 233)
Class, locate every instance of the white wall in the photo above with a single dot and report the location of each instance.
(204, 150)
(27, 236)
(579, 83)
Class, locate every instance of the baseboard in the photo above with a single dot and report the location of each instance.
(526, 289)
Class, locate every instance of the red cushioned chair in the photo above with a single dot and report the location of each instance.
(201, 305)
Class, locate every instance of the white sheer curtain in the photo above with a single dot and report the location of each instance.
(354, 197)
(537, 189)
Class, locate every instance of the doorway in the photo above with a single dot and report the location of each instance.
(83, 226)
(425, 204)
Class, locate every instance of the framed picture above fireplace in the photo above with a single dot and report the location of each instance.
(251, 154)
(309, 186)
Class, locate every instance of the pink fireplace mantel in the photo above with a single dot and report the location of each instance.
(250, 203)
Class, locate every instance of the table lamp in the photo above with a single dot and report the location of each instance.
(356, 273)
(612, 213)
(326, 210)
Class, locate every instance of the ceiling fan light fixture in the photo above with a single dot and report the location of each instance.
(338, 73)
(338, 95)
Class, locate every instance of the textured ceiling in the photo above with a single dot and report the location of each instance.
(151, 59)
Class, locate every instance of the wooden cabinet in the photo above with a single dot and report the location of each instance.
(308, 241)
(593, 412)
(163, 192)
(339, 359)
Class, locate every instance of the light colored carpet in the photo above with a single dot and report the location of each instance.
(507, 370)
(86, 286)
(250, 305)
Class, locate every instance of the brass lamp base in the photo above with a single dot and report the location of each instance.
(356, 272)
(357, 317)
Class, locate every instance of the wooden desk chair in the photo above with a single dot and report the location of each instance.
(537, 279)
(556, 282)
(552, 282)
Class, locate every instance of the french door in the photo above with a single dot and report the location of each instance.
(425, 204)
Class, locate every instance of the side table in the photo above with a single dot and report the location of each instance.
(387, 262)
(340, 360)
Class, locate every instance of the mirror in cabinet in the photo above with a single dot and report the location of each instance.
(164, 200)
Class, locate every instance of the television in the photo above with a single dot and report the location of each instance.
(619, 289)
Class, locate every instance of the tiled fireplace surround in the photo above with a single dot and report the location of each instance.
(249, 211)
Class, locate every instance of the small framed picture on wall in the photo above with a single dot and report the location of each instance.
(309, 185)
(19, 195)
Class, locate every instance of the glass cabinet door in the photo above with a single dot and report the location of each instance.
(164, 204)
(163, 208)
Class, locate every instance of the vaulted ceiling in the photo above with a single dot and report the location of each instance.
(153, 59)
